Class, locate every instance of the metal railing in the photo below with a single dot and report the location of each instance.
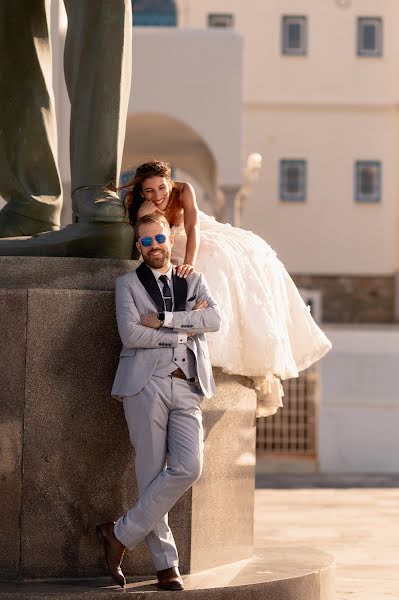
(293, 430)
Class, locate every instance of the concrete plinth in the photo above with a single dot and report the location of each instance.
(66, 460)
(278, 573)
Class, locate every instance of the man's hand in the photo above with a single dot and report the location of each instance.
(150, 320)
(200, 304)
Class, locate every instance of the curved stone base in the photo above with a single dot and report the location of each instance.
(279, 573)
(66, 460)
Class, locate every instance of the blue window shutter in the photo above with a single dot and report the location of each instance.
(369, 36)
(368, 175)
(294, 35)
(293, 180)
(154, 13)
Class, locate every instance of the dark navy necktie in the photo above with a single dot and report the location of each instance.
(167, 294)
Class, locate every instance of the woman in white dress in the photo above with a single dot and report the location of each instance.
(267, 332)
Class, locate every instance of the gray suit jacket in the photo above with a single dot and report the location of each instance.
(137, 293)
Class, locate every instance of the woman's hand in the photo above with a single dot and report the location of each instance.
(147, 208)
(184, 270)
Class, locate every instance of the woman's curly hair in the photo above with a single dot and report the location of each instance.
(133, 198)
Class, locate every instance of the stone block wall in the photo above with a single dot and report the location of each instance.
(353, 298)
(66, 462)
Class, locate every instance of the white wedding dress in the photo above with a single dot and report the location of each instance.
(267, 331)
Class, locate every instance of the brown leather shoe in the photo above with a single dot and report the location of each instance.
(113, 550)
(169, 579)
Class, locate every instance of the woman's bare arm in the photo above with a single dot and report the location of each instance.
(146, 208)
(191, 226)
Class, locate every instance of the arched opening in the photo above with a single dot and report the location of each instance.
(157, 136)
(154, 13)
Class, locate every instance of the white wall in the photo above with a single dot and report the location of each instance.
(331, 72)
(194, 76)
(359, 407)
(329, 233)
(330, 107)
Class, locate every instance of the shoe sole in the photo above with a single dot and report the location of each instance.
(175, 587)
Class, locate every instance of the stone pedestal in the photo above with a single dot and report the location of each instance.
(66, 460)
(276, 573)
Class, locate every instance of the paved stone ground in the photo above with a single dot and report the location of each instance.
(356, 519)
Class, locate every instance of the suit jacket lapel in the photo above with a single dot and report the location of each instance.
(179, 292)
(148, 280)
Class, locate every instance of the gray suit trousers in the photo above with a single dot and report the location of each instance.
(165, 428)
(97, 64)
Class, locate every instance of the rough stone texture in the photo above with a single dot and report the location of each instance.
(77, 460)
(78, 467)
(278, 573)
(13, 307)
(61, 273)
(353, 298)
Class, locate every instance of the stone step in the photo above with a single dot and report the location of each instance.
(275, 573)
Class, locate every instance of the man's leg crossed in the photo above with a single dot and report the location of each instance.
(147, 418)
(182, 433)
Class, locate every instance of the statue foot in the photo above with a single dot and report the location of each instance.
(92, 204)
(15, 225)
(82, 239)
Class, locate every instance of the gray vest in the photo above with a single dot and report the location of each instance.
(172, 358)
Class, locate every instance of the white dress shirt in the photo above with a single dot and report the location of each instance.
(168, 322)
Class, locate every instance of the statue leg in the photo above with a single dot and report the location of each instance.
(97, 70)
(97, 65)
(29, 178)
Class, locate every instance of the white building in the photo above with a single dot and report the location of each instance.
(312, 86)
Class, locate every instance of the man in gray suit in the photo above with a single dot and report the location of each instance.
(163, 374)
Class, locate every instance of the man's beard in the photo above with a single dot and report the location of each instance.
(157, 262)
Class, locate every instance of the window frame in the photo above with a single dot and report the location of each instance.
(286, 196)
(146, 16)
(227, 16)
(376, 196)
(302, 21)
(379, 32)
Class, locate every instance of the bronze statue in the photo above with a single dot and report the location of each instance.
(97, 65)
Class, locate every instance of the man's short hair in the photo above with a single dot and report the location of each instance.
(154, 217)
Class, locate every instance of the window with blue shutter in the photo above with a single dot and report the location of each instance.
(368, 181)
(369, 36)
(293, 180)
(220, 20)
(154, 13)
(294, 35)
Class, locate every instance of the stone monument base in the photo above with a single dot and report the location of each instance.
(67, 463)
(278, 573)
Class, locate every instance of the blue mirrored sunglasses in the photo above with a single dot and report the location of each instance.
(147, 241)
